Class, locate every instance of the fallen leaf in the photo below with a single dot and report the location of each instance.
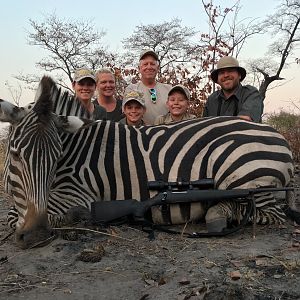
(235, 275)
(296, 231)
(261, 262)
(184, 281)
(296, 244)
(162, 281)
(149, 281)
(237, 263)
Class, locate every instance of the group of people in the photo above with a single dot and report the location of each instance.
(150, 102)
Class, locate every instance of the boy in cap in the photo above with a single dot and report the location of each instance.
(233, 99)
(84, 86)
(154, 93)
(134, 109)
(177, 104)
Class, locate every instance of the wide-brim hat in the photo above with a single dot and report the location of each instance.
(83, 73)
(133, 96)
(182, 89)
(227, 62)
(148, 52)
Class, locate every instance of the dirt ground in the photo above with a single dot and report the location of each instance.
(126, 264)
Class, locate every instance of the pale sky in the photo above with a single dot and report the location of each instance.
(119, 19)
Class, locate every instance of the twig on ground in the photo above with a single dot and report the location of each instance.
(91, 230)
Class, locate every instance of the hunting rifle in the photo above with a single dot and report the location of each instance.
(202, 190)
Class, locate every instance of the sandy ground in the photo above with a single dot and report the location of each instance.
(127, 265)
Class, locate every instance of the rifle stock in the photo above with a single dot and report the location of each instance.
(107, 211)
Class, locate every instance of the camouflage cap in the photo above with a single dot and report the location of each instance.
(134, 95)
(181, 88)
(82, 73)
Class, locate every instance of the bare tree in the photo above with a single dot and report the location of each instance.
(69, 44)
(170, 40)
(227, 34)
(15, 92)
(284, 26)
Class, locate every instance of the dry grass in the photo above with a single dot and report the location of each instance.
(2, 156)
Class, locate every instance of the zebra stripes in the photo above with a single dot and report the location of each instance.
(92, 161)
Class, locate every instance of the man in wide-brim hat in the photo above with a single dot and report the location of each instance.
(233, 99)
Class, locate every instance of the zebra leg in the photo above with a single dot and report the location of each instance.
(12, 217)
(178, 213)
(223, 213)
(216, 217)
(293, 201)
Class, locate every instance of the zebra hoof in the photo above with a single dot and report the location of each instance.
(216, 225)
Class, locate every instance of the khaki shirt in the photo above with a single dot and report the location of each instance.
(153, 110)
(167, 118)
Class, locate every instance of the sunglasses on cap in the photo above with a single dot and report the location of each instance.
(153, 95)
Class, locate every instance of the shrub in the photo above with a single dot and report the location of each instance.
(288, 124)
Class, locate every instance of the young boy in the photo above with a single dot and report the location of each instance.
(134, 109)
(178, 104)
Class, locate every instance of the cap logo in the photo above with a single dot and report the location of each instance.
(83, 72)
(133, 94)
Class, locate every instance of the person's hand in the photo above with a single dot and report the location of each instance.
(247, 118)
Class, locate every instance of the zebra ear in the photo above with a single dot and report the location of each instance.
(71, 123)
(10, 112)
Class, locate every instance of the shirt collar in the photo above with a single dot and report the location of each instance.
(237, 93)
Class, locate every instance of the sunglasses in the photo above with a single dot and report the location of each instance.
(153, 95)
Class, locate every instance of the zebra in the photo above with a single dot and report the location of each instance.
(57, 162)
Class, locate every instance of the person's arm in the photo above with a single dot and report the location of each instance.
(252, 104)
(205, 109)
(247, 118)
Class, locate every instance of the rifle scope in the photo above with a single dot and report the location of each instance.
(203, 184)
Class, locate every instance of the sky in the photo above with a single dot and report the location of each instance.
(119, 19)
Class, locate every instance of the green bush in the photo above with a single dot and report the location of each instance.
(288, 124)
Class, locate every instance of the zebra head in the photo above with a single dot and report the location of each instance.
(34, 147)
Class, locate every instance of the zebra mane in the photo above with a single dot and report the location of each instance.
(43, 100)
(66, 104)
(51, 98)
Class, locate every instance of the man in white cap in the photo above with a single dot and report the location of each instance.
(233, 99)
(178, 104)
(134, 109)
(155, 93)
(84, 86)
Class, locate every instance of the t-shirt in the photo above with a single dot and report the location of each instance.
(115, 115)
(99, 113)
(153, 110)
(167, 118)
(245, 101)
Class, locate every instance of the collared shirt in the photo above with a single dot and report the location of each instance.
(167, 118)
(245, 101)
(153, 109)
